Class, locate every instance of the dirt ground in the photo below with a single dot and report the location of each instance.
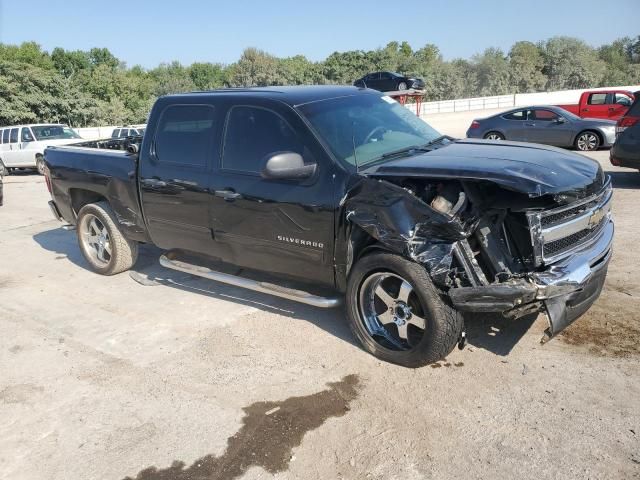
(181, 378)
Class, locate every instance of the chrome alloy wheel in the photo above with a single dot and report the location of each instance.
(494, 136)
(587, 141)
(96, 239)
(391, 311)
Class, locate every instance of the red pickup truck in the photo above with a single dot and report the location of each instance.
(611, 104)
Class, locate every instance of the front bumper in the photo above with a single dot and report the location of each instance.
(565, 289)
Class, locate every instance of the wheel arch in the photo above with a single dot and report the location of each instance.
(81, 197)
(597, 132)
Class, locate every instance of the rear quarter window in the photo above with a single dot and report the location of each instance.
(521, 115)
(185, 135)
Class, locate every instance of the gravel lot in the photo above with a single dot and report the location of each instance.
(181, 378)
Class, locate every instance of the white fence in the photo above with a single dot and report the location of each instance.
(507, 101)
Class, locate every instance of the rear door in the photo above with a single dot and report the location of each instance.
(373, 81)
(279, 226)
(387, 82)
(11, 155)
(597, 105)
(174, 176)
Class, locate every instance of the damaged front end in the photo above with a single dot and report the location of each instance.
(490, 248)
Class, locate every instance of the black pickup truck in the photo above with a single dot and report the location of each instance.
(340, 192)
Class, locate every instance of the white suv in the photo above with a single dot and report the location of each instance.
(22, 146)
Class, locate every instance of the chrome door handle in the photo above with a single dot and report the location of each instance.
(227, 194)
(153, 182)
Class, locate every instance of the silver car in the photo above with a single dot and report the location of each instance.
(546, 124)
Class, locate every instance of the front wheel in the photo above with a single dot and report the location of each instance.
(402, 86)
(587, 141)
(40, 164)
(397, 314)
(104, 247)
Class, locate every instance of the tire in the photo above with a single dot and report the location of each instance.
(402, 86)
(413, 326)
(587, 141)
(493, 136)
(4, 171)
(102, 244)
(40, 164)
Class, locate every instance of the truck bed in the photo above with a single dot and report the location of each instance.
(99, 170)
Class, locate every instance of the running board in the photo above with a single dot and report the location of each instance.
(262, 287)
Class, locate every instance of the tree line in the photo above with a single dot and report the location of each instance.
(88, 88)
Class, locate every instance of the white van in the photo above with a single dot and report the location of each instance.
(22, 146)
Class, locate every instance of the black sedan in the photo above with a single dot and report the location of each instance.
(547, 124)
(626, 150)
(389, 82)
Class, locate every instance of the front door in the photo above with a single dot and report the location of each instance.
(279, 226)
(545, 126)
(174, 175)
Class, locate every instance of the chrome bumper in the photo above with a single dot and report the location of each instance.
(566, 288)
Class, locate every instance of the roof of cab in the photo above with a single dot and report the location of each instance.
(292, 95)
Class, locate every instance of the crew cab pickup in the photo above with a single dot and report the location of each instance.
(323, 194)
(609, 104)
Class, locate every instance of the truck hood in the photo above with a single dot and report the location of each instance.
(532, 169)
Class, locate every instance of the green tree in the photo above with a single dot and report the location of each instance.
(525, 68)
(492, 70)
(569, 63)
(255, 68)
(206, 76)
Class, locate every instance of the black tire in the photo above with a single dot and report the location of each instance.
(122, 252)
(587, 141)
(402, 86)
(4, 171)
(493, 136)
(40, 164)
(443, 324)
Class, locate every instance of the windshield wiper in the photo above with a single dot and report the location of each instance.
(436, 140)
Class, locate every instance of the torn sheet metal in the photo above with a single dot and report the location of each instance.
(406, 225)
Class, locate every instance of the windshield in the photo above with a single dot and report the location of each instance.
(53, 132)
(361, 129)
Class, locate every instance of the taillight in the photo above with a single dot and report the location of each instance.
(475, 124)
(626, 122)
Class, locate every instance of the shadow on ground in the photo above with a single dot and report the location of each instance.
(488, 332)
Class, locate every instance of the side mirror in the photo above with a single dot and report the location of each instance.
(287, 166)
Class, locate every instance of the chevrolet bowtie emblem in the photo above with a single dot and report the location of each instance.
(596, 217)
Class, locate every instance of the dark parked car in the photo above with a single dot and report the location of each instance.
(626, 150)
(389, 82)
(548, 125)
(321, 194)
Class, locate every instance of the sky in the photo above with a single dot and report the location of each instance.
(148, 32)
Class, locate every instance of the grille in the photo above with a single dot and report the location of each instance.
(565, 215)
(556, 247)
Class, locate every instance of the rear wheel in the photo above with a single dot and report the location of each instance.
(104, 247)
(3, 170)
(494, 136)
(397, 314)
(587, 141)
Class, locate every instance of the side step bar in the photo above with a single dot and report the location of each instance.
(263, 287)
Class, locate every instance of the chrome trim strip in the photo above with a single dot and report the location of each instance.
(577, 224)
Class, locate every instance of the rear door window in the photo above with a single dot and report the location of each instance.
(185, 135)
(251, 135)
(597, 99)
(14, 135)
